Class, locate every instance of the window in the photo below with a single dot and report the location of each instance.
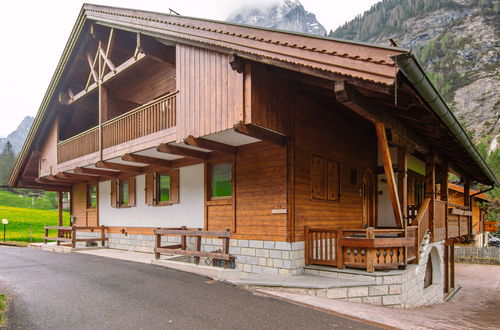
(221, 179)
(123, 192)
(325, 179)
(162, 188)
(123, 195)
(91, 196)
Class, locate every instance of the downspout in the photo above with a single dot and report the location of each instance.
(410, 67)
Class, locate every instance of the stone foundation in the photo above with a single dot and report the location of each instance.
(252, 256)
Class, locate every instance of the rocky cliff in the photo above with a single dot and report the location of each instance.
(456, 41)
(18, 136)
(279, 14)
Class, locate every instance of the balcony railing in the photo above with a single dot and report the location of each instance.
(142, 121)
(79, 145)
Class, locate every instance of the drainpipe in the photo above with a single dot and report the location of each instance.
(410, 67)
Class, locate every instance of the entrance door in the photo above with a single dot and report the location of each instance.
(368, 196)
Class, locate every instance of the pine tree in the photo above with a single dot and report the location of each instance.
(7, 160)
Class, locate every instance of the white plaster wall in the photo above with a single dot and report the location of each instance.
(189, 211)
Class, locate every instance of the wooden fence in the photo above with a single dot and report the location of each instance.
(68, 235)
(181, 248)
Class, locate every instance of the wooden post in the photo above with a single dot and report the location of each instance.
(197, 248)
(430, 189)
(340, 249)
(73, 237)
(446, 269)
(183, 239)
(403, 184)
(157, 244)
(307, 245)
(369, 251)
(444, 194)
(452, 265)
(103, 236)
(389, 172)
(60, 207)
(46, 235)
(467, 203)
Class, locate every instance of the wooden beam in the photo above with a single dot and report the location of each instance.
(119, 167)
(110, 174)
(210, 145)
(467, 192)
(182, 162)
(403, 182)
(353, 100)
(55, 178)
(45, 181)
(91, 65)
(185, 152)
(430, 188)
(147, 160)
(107, 60)
(389, 173)
(261, 133)
(81, 177)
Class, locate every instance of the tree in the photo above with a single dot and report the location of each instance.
(7, 160)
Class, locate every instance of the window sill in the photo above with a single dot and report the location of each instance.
(164, 204)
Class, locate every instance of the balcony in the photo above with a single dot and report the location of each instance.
(142, 121)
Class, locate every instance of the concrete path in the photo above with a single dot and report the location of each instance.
(476, 306)
(79, 291)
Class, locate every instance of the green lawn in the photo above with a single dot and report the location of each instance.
(3, 306)
(20, 219)
(8, 198)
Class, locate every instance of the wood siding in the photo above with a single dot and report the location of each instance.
(260, 188)
(48, 157)
(84, 216)
(336, 135)
(271, 99)
(210, 95)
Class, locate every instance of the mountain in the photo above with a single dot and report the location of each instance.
(18, 136)
(287, 15)
(457, 43)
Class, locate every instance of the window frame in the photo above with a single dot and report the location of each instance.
(119, 193)
(209, 167)
(322, 173)
(157, 176)
(89, 204)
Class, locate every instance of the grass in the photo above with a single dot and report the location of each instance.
(20, 220)
(3, 307)
(8, 198)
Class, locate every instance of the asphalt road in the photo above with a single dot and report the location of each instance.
(77, 291)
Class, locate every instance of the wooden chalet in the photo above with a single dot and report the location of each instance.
(301, 150)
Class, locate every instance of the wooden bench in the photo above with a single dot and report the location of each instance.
(181, 249)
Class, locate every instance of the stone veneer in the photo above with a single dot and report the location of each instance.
(399, 289)
(252, 256)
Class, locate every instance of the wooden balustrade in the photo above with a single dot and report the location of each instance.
(440, 210)
(79, 145)
(181, 248)
(144, 120)
(68, 235)
(358, 248)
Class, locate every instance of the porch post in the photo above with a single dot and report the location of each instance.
(389, 172)
(403, 184)
(467, 203)
(444, 194)
(430, 189)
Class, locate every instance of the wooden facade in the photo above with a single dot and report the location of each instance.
(306, 124)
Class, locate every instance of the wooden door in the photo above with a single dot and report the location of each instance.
(368, 197)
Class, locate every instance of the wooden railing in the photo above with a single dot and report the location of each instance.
(422, 222)
(181, 248)
(68, 235)
(459, 220)
(439, 230)
(79, 145)
(370, 249)
(144, 120)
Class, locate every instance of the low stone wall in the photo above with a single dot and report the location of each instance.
(470, 254)
(252, 256)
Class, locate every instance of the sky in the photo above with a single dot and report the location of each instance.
(35, 33)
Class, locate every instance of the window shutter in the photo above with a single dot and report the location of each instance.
(114, 200)
(150, 189)
(174, 186)
(333, 179)
(318, 182)
(131, 191)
